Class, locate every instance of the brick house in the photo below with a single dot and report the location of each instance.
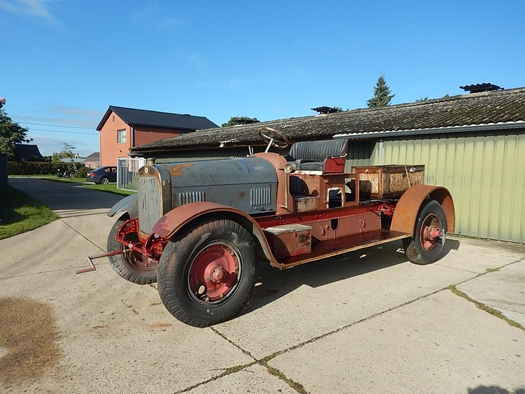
(121, 129)
(93, 160)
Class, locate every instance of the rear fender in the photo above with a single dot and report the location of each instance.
(178, 218)
(127, 205)
(407, 208)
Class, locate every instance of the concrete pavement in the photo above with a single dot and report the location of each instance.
(368, 321)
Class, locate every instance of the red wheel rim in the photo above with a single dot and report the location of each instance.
(213, 273)
(431, 233)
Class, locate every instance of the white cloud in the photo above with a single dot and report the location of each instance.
(36, 8)
(154, 16)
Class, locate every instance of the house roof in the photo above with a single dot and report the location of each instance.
(95, 156)
(27, 151)
(493, 109)
(141, 117)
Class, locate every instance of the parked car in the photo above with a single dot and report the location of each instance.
(102, 175)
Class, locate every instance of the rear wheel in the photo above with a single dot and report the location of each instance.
(131, 265)
(104, 180)
(207, 274)
(428, 240)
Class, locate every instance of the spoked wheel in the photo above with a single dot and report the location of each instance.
(426, 245)
(277, 138)
(207, 274)
(104, 180)
(131, 265)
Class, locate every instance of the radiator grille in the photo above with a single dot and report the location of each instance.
(187, 198)
(149, 201)
(260, 196)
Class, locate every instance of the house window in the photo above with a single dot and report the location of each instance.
(121, 136)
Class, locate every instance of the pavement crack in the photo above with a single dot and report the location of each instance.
(263, 362)
(226, 372)
(275, 372)
(233, 343)
(83, 236)
(494, 312)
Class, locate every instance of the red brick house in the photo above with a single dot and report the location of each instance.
(121, 129)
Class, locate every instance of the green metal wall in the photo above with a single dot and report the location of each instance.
(359, 154)
(484, 173)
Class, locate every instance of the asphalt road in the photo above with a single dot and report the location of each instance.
(368, 321)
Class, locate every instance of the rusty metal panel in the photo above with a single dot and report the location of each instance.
(289, 240)
(388, 181)
(485, 173)
(248, 184)
(149, 202)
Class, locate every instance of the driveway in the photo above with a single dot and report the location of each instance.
(368, 321)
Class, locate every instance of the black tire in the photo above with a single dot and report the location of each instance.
(104, 180)
(216, 247)
(132, 266)
(422, 248)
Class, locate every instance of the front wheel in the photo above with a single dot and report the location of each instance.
(207, 274)
(428, 240)
(131, 265)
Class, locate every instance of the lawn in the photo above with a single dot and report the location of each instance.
(20, 213)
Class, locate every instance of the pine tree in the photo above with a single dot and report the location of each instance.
(382, 96)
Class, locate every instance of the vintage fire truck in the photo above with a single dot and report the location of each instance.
(199, 229)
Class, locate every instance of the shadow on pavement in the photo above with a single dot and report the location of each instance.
(65, 196)
(275, 284)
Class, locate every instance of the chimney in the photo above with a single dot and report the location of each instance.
(480, 87)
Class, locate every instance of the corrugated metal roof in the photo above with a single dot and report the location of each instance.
(141, 117)
(497, 107)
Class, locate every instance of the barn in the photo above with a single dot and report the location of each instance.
(473, 144)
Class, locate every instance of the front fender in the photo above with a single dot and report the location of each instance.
(407, 208)
(128, 204)
(179, 217)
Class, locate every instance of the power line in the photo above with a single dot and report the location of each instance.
(58, 125)
(62, 132)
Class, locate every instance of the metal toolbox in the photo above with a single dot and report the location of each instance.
(388, 181)
(289, 240)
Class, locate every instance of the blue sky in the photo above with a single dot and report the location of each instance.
(64, 62)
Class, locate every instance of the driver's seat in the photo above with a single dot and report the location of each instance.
(312, 155)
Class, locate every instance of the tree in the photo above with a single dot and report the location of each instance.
(235, 120)
(11, 133)
(382, 96)
(66, 153)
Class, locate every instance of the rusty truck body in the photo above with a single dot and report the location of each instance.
(201, 228)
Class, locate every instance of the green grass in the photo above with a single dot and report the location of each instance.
(20, 213)
(109, 188)
(486, 308)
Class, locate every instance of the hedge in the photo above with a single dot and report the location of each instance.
(38, 168)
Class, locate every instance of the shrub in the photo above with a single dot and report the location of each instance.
(38, 168)
(81, 172)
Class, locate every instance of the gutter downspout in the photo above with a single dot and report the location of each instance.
(132, 139)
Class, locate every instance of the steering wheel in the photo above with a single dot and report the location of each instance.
(274, 137)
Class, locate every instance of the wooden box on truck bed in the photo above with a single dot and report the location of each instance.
(388, 181)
